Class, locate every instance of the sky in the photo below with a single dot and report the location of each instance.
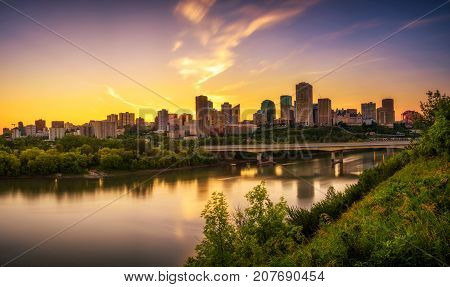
(81, 60)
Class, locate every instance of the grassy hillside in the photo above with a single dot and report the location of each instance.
(404, 221)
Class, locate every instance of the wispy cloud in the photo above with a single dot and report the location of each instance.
(177, 45)
(111, 92)
(219, 37)
(194, 10)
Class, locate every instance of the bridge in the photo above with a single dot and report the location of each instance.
(334, 148)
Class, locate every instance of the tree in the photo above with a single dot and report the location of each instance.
(9, 164)
(216, 248)
(435, 102)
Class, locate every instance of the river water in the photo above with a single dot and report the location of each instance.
(145, 220)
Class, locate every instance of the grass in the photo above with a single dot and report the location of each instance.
(404, 221)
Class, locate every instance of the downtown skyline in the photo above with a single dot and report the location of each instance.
(228, 51)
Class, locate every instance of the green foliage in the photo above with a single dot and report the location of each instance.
(435, 103)
(216, 248)
(405, 221)
(259, 235)
(9, 164)
(337, 203)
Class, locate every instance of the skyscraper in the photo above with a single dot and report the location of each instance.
(163, 120)
(40, 125)
(226, 111)
(285, 106)
(324, 109)
(57, 124)
(113, 118)
(236, 114)
(388, 106)
(269, 111)
(304, 104)
(126, 119)
(369, 111)
(202, 114)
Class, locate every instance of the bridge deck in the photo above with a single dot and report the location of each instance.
(256, 148)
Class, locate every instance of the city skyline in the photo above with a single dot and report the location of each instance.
(182, 49)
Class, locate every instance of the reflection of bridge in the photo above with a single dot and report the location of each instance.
(259, 149)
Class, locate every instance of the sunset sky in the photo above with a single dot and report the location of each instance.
(237, 51)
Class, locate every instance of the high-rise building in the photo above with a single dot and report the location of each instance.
(304, 104)
(369, 111)
(315, 114)
(126, 120)
(103, 129)
(388, 106)
(140, 122)
(56, 133)
(30, 130)
(324, 109)
(202, 107)
(113, 118)
(86, 130)
(381, 116)
(57, 124)
(269, 111)
(285, 107)
(236, 114)
(40, 125)
(163, 120)
(226, 111)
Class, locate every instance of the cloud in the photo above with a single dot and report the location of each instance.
(111, 92)
(177, 45)
(218, 37)
(194, 10)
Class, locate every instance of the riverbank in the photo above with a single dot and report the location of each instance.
(404, 221)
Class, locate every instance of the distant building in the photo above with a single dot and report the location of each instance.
(316, 114)
(226, 111)
(304, 101)
(163, 120)
(30, 131)
(6, 131)
(56, 133)
(126, 120)
(258, 118)
(202, 114)
(236, 114)
(347, 116)
(57, 124)
(269, 112)
(86, 130)
(388, 107)
(285, 108)
(369, 112)
(324, 110)
(113, 118)
(381, 116)
(70, 127)
(140, 122)
(40, 125)
(15, 133)
(239, 129)
(103, 129)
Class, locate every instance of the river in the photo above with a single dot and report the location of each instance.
(146, 220)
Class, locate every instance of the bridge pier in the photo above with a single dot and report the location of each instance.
(259, 157)
(335, 160)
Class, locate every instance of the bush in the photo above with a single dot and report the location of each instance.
(9, 164)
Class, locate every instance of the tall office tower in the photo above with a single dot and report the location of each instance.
(140, 122)
(304, 100)
(381, 116)
(236, 114)
(269, 111)
(325, 118)
(126, 119)
(285, 105)
(113, 118)
(388, 106)
(185, 119)
(315, 114)
(57, 124)
(226, 111)
(202, 114)
(40, 125)
(163, 120)
(369, 111)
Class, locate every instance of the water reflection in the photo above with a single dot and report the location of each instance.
(157, 223)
